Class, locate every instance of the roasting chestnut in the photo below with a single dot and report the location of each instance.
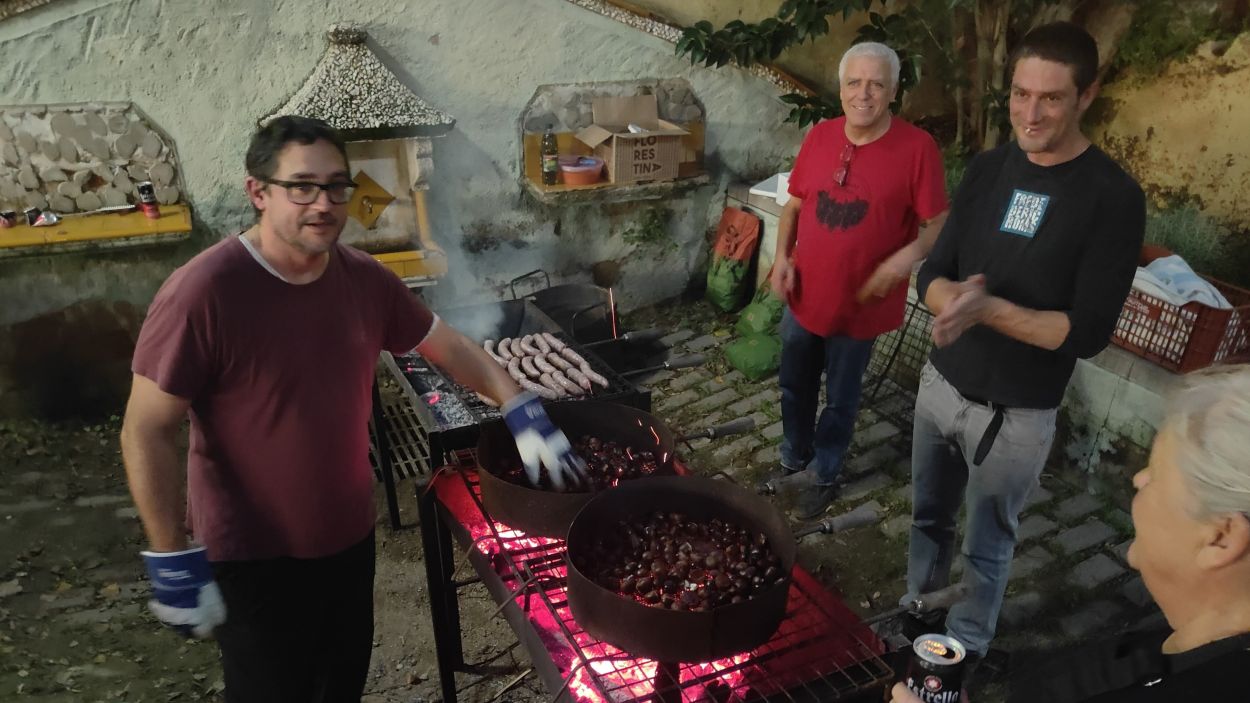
(607, 464)
(679, 562)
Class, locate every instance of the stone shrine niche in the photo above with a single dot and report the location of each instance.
(567, 109)
(388, 130)
(81, 157)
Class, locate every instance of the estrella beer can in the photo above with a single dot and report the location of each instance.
(936, 671)
(147, 200)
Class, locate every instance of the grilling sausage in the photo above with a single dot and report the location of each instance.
(488, 400)
(538, 389)
(527, 345)
(527, 365)
(541, 342)
(504, 352)
(576, 376)
(551, 385)
(567, 385)
(556, 344)
(543, 365)
(593, 376)
(489, 346)
(572, 356)
(558, 361)
(514, 369)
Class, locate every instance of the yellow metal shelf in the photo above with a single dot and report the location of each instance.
(415, 266)
(175, 221)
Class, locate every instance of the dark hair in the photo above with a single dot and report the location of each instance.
(1065, 43)
(268, 142)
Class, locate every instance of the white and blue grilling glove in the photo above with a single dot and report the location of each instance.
(186, 597)
(542, 444)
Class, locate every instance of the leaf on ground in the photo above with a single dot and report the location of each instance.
(10, 588)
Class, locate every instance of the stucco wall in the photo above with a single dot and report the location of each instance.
(205, 71)
(1185, 134)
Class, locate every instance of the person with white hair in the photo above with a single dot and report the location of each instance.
(1191, 513)
(868, 197)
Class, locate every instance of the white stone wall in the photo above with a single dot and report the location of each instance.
(205, 71)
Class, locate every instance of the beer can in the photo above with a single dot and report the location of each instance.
(147, 199)
(8, 218)
(936, 671)
(32, 214)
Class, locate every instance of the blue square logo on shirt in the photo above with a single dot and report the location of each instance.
(1024, 213)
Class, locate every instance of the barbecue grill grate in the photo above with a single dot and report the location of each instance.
(450, 414)
(820, 652)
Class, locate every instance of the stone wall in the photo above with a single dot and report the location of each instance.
(205, 72)
(1183, 134)
(81, 157)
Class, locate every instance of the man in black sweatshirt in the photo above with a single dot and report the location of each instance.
(1028, 274)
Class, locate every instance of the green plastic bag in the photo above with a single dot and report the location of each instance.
(737, 237)
(763, 314)
(756, 355)
(724, 283)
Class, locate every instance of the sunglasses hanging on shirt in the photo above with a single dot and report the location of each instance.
(844, 170)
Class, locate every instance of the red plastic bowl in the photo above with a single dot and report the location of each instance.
(581, 170)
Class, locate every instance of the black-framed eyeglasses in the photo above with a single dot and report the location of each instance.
(844, 170)
(307, 192)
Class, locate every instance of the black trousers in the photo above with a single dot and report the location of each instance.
(297, 630)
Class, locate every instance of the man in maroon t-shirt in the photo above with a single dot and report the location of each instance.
(862, 186)
(268, 342)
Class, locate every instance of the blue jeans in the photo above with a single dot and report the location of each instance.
(804, 357)
(945, 435)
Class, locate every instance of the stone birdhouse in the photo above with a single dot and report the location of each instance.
(389, 130)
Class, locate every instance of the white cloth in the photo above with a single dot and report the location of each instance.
(1172, 280)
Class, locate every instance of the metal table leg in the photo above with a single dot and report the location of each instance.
(380, 428)
(444, 603)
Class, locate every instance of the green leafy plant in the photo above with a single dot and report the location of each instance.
(1162, 30)
(963, 43)
(1206, 245)
(651, 228)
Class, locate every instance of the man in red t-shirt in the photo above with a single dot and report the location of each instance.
(268, 342)
(862, 186)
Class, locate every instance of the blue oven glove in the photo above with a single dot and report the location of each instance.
(540, 443)
(186, 597)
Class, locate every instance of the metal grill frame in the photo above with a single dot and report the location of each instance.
(532, 572)
(893, 374)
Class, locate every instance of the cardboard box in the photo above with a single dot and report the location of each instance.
(653, 154)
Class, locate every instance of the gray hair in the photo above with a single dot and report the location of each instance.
(877, 51)
(1210, 422)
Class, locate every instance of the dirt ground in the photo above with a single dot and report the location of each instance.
(73, 620)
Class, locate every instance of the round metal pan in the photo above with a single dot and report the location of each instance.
(548, 513)
(669, 635)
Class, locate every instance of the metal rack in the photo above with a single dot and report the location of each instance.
(821, 651)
